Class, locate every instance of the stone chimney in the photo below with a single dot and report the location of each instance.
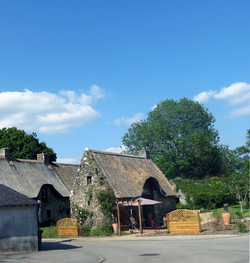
(43, 158)
(144, 153)
(5, 153)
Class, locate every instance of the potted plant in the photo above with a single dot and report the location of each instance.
(226, 216)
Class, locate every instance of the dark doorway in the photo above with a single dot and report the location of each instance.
(150, 187)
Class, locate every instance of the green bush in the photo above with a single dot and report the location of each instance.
(179, 206)
(204, 194)
(241, 227)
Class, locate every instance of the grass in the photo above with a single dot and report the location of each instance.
(49, 232)
(234, 210)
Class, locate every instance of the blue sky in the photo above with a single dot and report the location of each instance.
(78, 73)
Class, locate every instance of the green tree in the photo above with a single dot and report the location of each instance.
(180, 137)
(239, 171)
(23, 145)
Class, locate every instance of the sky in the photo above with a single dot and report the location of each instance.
(79, 73)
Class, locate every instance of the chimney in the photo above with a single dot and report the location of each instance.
(5, 153)
(43, 158)
(144, 153)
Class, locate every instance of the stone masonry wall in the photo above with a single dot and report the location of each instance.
(84, 193)
(52, 208)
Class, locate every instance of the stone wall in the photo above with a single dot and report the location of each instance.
(52, 207)
(90, 180)
(87, 183)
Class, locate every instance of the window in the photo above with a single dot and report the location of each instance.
(44, 193)
(89, 181)
(48, 214)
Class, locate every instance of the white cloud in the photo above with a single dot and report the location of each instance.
(48, 112)
(153, 107)
(97, 92)
(236, 94)
(116, 149)
(204, 96)
(128, 121)
(68, 160)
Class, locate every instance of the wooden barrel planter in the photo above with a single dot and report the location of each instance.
(183, 221)
(67, 227)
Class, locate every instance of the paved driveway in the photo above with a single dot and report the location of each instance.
(202, 249)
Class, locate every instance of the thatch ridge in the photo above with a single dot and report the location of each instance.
(127, 174)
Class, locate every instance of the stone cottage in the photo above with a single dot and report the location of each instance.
(18, 221)
(50, 183)
(128, 176)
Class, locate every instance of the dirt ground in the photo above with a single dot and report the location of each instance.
(215, 227)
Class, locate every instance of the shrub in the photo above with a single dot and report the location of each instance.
(217, 225)
(106, 199)
(204, 194)
(80, 213)
(179, 206)
(84, 229)
(107, 228)
(228, 227)
(241, 227)
(238, 214)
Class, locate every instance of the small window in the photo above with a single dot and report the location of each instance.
(44, 193)
(89, 181)
(48, 214)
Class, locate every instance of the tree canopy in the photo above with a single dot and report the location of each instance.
(238, 161)
(181, 138)
(23, 145)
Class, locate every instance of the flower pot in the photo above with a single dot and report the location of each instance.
(115, 227)
(226, 216)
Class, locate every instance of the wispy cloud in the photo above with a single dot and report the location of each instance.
(128, 121)
(47, 112)
(116, 149)
(236, 94)
(68, 160)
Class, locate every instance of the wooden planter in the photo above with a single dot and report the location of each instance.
(124, 228)
(67, 227)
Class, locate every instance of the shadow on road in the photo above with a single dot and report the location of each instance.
(46, 246)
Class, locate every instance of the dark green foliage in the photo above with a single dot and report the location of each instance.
(206, 194)
(180, 137)
(238, 162)
(106, 199)
(241, 227)
(80, 214)
(84, 229)
(23, 145)
(107, 228)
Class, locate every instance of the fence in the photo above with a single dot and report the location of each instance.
(67, 227)
(183, 221)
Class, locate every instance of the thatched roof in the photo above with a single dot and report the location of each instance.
(67, 172)
(28, 176)
(127, 174)
(10, 197)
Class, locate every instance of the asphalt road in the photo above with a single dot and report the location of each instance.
(195, 249)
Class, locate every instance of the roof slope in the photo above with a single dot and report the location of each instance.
(27, 177)
(67, 172)
(10, 197)
(127, 174)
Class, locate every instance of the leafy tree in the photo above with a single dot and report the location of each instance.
(180, 137)
(239, 172)
(23, 145)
